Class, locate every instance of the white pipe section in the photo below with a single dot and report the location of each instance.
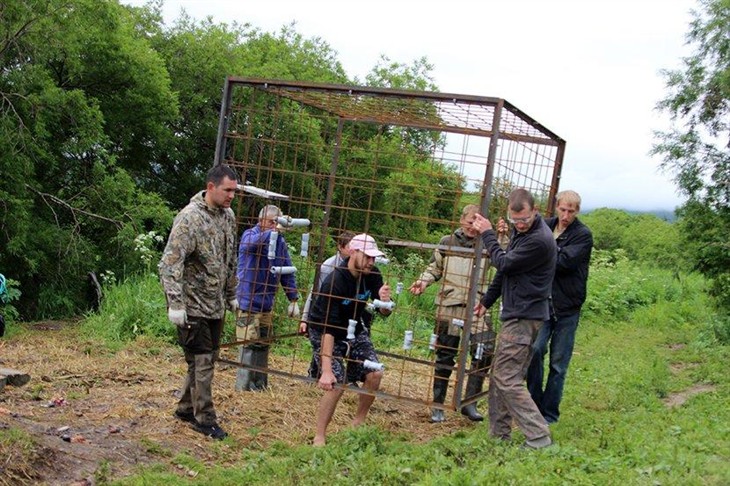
(283, 270)
(379, 304)
(272, 244)
(479, 352)
(305, 245)
(372, 365)
(352, 323)
(381, 260)
(432, 342)
(408, 340)
(289, 222)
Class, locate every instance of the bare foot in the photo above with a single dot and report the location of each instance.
(319, 442)
(358, 421)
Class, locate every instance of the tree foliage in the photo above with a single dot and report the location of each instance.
(81, 94)
(641, 237)
(697, 148)
(109, 120)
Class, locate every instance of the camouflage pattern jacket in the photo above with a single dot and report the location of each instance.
(454, 270)
(198, 266)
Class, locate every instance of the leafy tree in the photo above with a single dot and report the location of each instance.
(67, 69)
(397, 75)
(199, 55)
(641, 237)
(608, 227)
(697, 148)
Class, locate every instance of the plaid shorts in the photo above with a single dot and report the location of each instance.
(353, 352)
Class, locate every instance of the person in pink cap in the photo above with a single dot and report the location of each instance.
(338, 305)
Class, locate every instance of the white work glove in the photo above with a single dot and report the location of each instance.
(293, 310)
(233, 305)
(177, 316)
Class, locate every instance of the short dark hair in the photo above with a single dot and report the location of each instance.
(219, 172)
(519, 198)
(344, 238)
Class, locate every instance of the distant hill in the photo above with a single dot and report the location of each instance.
(663, 214)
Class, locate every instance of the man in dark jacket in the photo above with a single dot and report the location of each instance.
(524, 276)
(575, 243)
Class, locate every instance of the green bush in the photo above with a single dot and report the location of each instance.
(643, 237)
(10, 294)
(135, 307)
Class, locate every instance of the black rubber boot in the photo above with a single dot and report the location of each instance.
(260, 380)
(244, 376)
(440, 386)
(473, 386)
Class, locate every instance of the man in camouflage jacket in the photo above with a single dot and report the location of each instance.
(453, 270)
(198, 274)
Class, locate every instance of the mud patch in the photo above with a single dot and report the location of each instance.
(678, 399)
(677, 368)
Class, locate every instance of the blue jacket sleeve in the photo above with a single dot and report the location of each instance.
(252, 240)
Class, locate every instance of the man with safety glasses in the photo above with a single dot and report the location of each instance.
(524, 275)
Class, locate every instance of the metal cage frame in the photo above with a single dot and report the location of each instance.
(515, 148)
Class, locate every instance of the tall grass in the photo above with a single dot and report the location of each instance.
(133, 308)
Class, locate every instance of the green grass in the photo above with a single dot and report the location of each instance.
(646, 334)
(21, 454)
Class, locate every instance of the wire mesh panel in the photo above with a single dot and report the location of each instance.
(400, 166)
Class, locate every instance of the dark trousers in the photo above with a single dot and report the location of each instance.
(200, 344)
(559, 334)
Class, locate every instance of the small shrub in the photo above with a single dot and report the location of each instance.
(9, 292)
(133, 308)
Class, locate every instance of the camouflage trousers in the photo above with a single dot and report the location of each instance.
(255, 327)
(354, 352)
(200, 343)
(508, 397)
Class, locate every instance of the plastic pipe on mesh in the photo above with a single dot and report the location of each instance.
(305, 245)
(272, 244)
(373, 365)
(398, 288)
(458, 322)
(479, 352)
(432, 342)
(380, 304)
(289, 222)
(283, 270)
(408, 340)
(351, 324)
(381, 260)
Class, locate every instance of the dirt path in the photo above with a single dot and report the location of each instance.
(93, 415)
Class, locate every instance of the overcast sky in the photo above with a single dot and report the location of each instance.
(586, 69)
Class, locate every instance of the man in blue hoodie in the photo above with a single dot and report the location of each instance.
(575, 243)
(261, 253)
(524, 275)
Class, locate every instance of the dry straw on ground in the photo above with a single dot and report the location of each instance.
(84, 407)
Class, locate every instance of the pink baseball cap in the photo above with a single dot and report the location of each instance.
(366, 244)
